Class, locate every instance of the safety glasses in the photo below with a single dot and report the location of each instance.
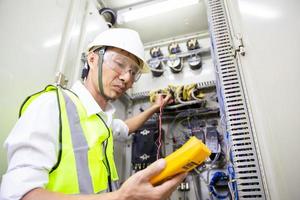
(122, 64)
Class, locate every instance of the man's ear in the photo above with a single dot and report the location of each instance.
(91, 58)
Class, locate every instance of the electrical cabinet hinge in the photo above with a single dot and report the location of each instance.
(61, 79)
(238, 45)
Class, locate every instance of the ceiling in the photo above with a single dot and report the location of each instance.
(167, 25)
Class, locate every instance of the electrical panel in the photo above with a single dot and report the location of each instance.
(202, 75)
(194, 111)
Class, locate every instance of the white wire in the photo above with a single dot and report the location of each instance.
(231, 190)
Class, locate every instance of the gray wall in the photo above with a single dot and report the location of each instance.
(38, 40)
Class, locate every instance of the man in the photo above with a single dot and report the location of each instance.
(62, 144)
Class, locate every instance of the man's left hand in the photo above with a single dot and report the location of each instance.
(162, 100)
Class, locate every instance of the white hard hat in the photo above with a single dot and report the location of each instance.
(122, 38)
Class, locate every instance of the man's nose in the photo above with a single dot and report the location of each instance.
(125, 77)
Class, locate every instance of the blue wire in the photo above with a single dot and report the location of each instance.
(215, 178)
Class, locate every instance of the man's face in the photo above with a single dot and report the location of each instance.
(119, 71)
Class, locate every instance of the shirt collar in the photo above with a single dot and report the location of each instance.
(89, 102)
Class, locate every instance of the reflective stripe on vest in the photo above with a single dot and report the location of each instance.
(81, 166)
(79, 142)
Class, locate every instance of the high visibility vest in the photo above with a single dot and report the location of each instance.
(85, 159)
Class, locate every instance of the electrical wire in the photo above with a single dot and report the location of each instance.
(160, 134)
(197, 186)
(217, 176)
(172, 129)
(193, 95)
(232, 194)
(232, 181)
(172, 125)
(185, 131)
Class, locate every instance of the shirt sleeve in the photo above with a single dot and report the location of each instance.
(120, 130)
(31, 148)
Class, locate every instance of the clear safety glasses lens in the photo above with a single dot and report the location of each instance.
(122, 65)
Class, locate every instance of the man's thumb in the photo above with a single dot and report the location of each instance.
(154, 169)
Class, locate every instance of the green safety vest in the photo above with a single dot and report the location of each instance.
(85, 159)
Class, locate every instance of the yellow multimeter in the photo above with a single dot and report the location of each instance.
(184, 159)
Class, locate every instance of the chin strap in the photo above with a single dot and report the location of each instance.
(100, 63)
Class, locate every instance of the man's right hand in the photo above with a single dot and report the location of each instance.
(139, 187)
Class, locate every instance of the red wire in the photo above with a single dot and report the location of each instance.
(159, 137)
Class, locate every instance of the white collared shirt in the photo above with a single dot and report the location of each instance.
(32, 144)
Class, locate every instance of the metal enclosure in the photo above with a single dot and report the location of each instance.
(249, 54)
(269, 70)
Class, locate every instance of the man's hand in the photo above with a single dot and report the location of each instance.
(139, 187)
(137, 121)
(162, 100)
